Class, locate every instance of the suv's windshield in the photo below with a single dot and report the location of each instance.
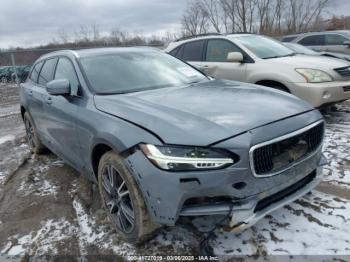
(264, 47)
(136, 71)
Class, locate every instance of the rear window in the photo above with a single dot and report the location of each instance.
(193, 51)
(35, 72)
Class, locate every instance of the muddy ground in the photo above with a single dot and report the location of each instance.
(47, 208)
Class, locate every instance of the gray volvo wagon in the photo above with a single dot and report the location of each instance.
(162, 140)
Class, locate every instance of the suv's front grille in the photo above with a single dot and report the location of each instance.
(346, 88)
(271, 158)
(343, 71)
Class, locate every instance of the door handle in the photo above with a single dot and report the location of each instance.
(48, 100)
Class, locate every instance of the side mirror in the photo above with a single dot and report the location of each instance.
(235, 57)
(58, 87)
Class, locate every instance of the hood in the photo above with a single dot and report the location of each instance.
(310, 61)
(336, 55)
(203, 113)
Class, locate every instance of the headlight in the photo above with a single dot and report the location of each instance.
(180, 158)
(314, 75)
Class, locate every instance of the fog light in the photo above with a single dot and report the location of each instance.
(326, 95)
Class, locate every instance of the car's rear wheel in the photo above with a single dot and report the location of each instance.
(35, 145)
(123, 200)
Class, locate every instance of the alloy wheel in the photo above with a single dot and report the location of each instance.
(117, 199)
(30, 133)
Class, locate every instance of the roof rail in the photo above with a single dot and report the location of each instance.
(236, 33)
(194, 36)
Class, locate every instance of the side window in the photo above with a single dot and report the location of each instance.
(218, 49)
(46, 73)
(35, 72)
(334, 39)
(175, 51)
(65, 69)
(312, 40)
(289, 38)
(193, 51)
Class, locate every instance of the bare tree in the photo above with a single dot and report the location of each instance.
(229, 15)
(194, 21)
(245, 14)
(63, 35)
(212, 10)
(304, 14)
(95, 29)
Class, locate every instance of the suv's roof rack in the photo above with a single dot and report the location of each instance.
(193, 36)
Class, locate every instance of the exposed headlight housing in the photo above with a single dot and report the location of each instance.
(181, 158)
(314, 75)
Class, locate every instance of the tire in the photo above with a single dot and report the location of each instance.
(34, 142)
(123, 201)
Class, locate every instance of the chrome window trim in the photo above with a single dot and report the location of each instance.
(297, 132)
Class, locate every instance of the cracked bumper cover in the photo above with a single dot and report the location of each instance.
(165, 193)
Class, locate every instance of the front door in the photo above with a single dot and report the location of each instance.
(216, 63)
(61, 112)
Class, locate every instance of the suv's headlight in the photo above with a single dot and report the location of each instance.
(181, 158)
(314, 75)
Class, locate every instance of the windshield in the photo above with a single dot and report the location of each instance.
(126, 72)
(264, 47)
(300, 49)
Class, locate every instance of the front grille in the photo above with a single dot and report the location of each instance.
(343, 71)
(272, 158)
(346, 88)
(265, 202)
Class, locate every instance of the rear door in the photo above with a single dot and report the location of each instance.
(34, 97)
(61, 113)
(216, 63)
(191, 52)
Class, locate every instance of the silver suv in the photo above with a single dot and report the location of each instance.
(330, 41)
(262, 60)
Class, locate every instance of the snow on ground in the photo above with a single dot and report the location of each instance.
(9, 110)
(51, 233)
(316, 224)
(7, 138)
(337, 146)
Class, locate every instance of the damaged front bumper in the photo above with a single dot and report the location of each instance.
(170, 195)
(245, 217)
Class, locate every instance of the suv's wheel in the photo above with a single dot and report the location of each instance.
(36, 146)
(123, 200)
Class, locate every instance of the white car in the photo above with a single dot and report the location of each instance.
(262, 60)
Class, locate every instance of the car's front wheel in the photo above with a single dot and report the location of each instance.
(34, 142)
(122, 200)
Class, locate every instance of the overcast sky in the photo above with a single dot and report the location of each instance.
(32, 22)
